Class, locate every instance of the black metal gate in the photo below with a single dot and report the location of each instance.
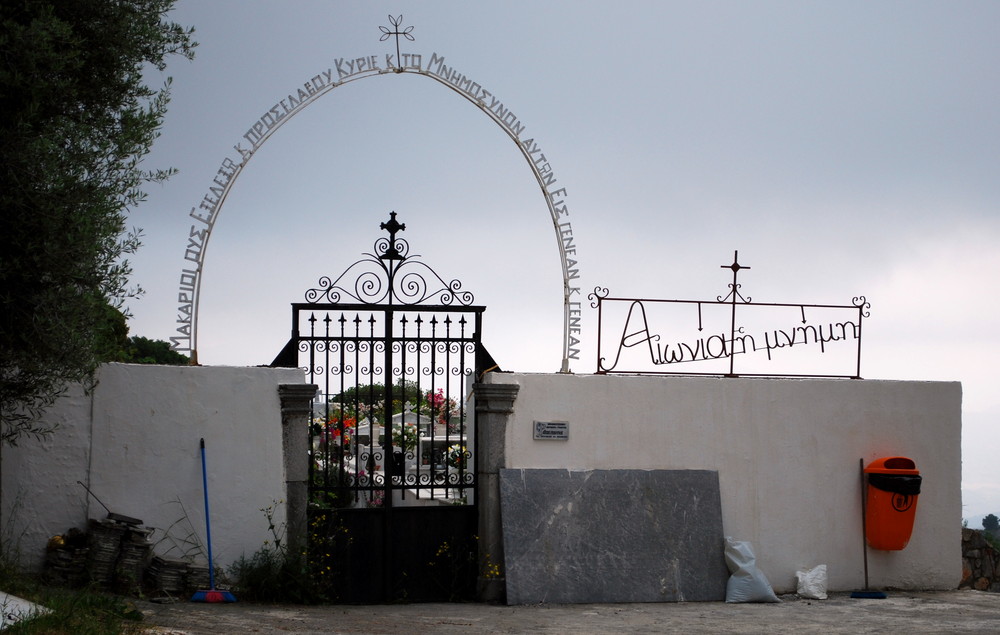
(394, 350)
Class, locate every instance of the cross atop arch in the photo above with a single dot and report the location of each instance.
(386, 33)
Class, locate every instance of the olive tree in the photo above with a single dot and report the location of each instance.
(78, 118)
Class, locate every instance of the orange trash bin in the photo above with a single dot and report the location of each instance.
(891, 502)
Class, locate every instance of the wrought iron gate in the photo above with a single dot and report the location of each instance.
(394, 349)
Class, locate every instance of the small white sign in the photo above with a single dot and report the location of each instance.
(552, 430)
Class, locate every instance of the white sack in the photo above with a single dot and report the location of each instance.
(747, 583)
(812, 582)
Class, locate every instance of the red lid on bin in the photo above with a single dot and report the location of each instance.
(892, 465)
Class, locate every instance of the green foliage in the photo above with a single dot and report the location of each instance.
(991, 523)
(111, 335)
(327, 491)
(279, 572)
(272, 575)
(78, 119)
(73, 611)
(406, 391)
(453, 568)
(991, 530)
(141, 350)
(115, 345)
(262, 576)
(78, 612)
(992, 540)
(405, 437)
(368, 401)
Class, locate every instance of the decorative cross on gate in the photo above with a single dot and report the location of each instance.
(392, 227)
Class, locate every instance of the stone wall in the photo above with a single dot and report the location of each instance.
(980, 562)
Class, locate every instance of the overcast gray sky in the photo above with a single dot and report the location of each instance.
(844, 148)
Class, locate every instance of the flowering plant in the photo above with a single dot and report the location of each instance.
(440, 409)
(404, 436)
(457, 456)
(339, 429)
(376, 498)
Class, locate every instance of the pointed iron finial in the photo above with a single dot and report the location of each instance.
(386, 33)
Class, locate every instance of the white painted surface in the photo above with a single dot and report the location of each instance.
(14, 609)
(787, 452)
(135, 442)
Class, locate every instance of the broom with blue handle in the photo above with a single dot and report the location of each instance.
(212, 594)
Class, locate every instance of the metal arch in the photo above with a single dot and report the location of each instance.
(247, 155)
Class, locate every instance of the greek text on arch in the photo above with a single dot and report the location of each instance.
(559, 207)
(194, 250)
(569, 247)
(410, 60)
(345, 68)
(349, 67)
(210, 201)
(510, 121)
(565, 230)
(541, 164)
(474, 90)
(575, 315)
(303, 95)
(285, 107)
(185, 310)
(355, 66)
(188, 285)
(196, 243)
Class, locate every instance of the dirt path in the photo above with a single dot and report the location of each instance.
(902, 612)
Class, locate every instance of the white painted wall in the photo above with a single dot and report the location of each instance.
(787, 452)
(135, 442)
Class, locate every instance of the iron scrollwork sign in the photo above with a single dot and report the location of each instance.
(730, 336)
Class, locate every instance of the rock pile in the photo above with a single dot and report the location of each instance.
(118, 556)
(980, 562)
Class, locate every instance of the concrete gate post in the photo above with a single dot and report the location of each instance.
(494, 405)
(296, 408)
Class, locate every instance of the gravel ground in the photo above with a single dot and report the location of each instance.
(902, 612)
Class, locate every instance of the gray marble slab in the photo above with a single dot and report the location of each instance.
(612, 536)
